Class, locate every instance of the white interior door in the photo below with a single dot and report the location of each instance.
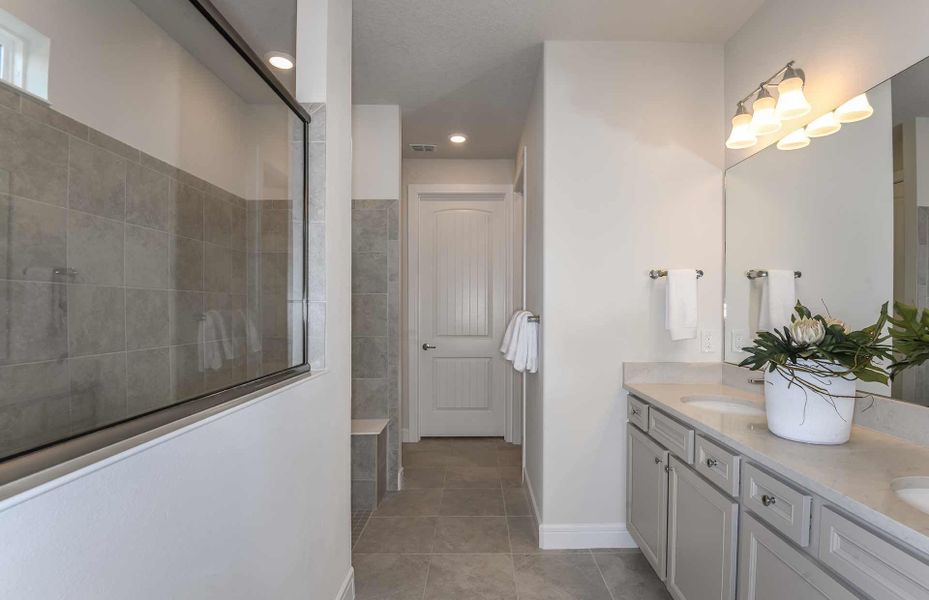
(463, 268)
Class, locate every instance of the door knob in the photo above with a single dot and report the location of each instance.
(428, 346)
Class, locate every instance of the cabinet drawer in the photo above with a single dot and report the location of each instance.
(778, 504)
(637, 413)
(674, 436)
(871, 563)
(718, 465)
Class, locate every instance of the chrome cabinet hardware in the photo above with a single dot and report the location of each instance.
(657, 460)
(667, 468)
(711, 462)
(429, 346)
(635, 411)
(768, 500)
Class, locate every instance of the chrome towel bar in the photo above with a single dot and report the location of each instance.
(759, 273)
(657, 273)
(535, 319)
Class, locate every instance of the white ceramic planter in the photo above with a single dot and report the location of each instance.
(802, 415)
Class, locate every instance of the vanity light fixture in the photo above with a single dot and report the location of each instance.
(768, 112)
(764, 120)
(458, 138)
(742, 135)
(794, 140)
(856, 109)
(823, 126)
(791, 103)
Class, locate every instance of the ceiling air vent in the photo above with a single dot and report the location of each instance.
(422, 147)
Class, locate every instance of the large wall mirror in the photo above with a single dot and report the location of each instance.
(849, 214)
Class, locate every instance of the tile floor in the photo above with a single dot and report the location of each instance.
(462, 529)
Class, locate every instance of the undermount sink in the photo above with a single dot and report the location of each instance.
(724, 404)
(914, 491)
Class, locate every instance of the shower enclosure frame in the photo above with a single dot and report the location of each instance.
(27, 470)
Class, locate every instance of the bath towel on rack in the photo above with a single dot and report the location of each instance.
(521, 342)
(778, 298)
(681, 304)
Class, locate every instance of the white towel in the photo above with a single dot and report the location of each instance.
(778, 298)
(520, 342)
(681, 304)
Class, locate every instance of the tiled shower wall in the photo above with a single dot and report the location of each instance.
(110, 262)
(376, 320)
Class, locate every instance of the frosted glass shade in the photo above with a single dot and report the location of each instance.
(764, 119)
(794, 140)
(856, 109)
(823, 126)
(741, 135)
(791, 103)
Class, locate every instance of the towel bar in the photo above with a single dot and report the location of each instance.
(759, 273)
(535, 319)
(656, 273)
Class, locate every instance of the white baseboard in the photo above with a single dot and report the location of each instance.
(406, 436)
(571, 536)
(347, 591)
(528, 485)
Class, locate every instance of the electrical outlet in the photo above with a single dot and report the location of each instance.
(738, 340)
(709, 340)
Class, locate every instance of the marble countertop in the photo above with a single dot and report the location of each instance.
(855, 476)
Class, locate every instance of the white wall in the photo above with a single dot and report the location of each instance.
(532, 140)
(845, 46)
(143, 88)
(254, 504)
(777, 204)
(633, 181)
(435, 170)
(376, 151)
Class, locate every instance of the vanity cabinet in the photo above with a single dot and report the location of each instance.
(772, 569)
(647, 497)
(702, 530)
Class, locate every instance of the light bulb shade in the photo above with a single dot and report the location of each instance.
(741, 135)
(823, 126)
(856, 109)
(791, 103)
(764, 119)
(794, 140)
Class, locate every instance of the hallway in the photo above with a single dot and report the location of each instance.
(463, 529)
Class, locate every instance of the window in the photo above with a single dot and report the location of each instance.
(24, 56)
(152, 228)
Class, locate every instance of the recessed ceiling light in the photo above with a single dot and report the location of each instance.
(280, 60)
(458, 138)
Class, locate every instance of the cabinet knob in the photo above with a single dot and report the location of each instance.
(711, 462)
(667, 468)
(635, 411)
(657, 461)
(768, 500)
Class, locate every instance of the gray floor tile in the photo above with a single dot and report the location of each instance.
(423, 478)
(390, 576)
(516, 501)
(472, 477)
(509, 457)
(472, 457)
(471, 577)
(471, 534)
(472, 503)
(559, 577)
(410, 503)
(524, 534)
(425, 458)
(511, 476)
(629, 576)
(397, 534)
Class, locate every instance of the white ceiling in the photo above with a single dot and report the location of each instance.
(470, 65)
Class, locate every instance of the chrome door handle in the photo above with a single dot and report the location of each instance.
(429, 346)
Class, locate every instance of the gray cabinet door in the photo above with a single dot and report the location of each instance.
(647, 497)
(702, 530)
(772, 569)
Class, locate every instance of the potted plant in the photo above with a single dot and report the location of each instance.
(811, 372)
(910, 335)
